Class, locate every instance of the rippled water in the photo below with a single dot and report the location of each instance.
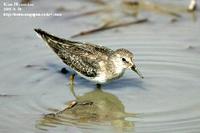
(166, 100)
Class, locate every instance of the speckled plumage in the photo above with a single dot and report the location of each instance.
(94, 62)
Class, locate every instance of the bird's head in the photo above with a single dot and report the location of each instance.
(125, 59)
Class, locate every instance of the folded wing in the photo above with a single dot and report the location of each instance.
(82, 57)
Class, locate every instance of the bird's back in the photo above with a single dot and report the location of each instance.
(54, 42)
(60, 44)
(82, 57)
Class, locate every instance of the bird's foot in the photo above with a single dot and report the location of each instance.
(64, 70)
(71, 83)
(98, 86)
(71, 79)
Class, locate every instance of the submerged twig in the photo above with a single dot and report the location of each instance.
(61, 9)
(100, 2)
(109, 26)
(134, 6)
(6, 95)
(88, 13)
(36, 66)
(192, 6)
(25, 1)
(131, 7)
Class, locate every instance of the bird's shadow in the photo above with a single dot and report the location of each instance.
(94, 107)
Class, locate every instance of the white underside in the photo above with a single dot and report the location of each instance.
(100, 79)
(105, 75)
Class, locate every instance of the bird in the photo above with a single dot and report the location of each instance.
(93, 62)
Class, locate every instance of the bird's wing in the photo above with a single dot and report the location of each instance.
(82, 57)
(80, 60)
(56, 43)
(100, 51)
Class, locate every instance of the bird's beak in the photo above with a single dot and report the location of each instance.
(137, 71)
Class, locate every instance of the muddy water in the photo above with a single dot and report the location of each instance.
(166, 100)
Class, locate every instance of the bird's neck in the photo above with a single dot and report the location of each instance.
(116, 67)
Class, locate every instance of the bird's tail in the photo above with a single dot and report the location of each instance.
(54, 42)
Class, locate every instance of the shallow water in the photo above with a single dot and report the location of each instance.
(168, 55)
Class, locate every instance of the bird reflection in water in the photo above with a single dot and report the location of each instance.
(95, 107)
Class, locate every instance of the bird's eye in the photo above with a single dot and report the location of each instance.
(123, 59)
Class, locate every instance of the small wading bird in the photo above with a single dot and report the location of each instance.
(93, 62)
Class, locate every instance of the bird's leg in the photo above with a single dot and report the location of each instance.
(72, 90)
(64, 70)
(71, 78)
(98, 86)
